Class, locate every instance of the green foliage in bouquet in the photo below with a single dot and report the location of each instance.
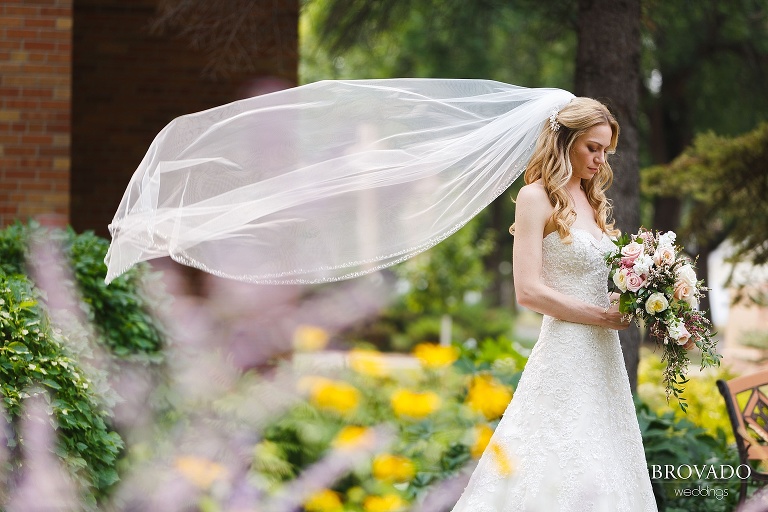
(657, 285)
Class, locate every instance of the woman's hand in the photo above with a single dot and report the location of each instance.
(612, 319)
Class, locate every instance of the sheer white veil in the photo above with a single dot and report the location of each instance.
(326, 181)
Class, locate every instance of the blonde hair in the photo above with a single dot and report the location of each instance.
(551, 164)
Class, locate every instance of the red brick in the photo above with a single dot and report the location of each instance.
(19, 150)
(40, 22)
(56, 11)
(21, 103)
(10, 92)
(10, 45)
(37, 45)
(7, 21)
(11, 10)
(28, 92)
(37, 139)
(20, 33)
(17, 175)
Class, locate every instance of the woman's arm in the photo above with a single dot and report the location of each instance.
(531, 215)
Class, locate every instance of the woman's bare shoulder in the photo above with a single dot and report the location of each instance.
(533, 193)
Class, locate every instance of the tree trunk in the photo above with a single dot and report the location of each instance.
(608, 69)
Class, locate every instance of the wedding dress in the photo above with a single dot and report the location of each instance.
(569, 440)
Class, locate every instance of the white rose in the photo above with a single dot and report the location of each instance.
(664, 256)
(656, 303)
(643, 264)
(620, 279)
(687, 275)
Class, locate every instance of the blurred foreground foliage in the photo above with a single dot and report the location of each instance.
(63, 356)
(447, 417)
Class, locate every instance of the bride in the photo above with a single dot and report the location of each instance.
(569, 441)
(337, 179)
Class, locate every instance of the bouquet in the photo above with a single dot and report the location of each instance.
(657, 284)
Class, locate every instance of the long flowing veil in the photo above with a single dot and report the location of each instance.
(326, 181)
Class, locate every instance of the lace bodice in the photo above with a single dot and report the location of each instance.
(577, 269)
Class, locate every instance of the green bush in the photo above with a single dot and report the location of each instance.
(120, 312)
(669, 440)
(38, 358)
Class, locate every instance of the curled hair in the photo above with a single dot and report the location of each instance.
(551, 164)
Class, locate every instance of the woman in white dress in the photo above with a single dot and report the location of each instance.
(569, 440)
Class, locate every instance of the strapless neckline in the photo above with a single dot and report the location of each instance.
(580, 230)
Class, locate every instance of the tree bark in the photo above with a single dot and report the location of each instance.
(608, 69)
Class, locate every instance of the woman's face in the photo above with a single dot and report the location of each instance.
(589, 151)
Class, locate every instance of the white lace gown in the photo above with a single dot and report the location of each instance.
(570, 435)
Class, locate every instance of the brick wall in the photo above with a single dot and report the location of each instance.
(128, 83)
(35, 84)
(98, 64)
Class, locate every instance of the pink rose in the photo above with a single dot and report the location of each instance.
(685, 292)
(664, 256)
(630, 252)
(634, 282)
(646, 236)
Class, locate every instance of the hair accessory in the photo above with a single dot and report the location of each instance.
(553, 124)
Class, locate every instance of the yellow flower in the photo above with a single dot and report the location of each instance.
(368, 362)
(325, 500)
(432, 355)
(413, 404)
(308, 338)
(385, 503)
(201, 472)
(335, 395)
(501, 459)
(482, 434)
(351, 437)
(393, 468)
(488, 396)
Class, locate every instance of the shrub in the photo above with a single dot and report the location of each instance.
(35, 358)
(45, 352)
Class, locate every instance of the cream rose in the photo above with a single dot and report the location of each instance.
(687, 275)
(630, 252)
(656, 303)
(634, 281)
(664, 256)
(620, 279)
